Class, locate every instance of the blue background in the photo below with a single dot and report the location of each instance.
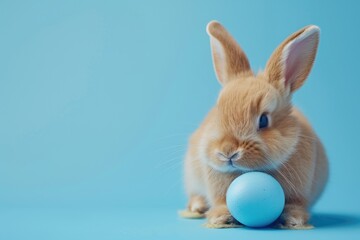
(98, 98)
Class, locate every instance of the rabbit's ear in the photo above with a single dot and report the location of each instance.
(291, 62)
(228, 58)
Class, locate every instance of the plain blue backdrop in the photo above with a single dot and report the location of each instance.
(98, 99)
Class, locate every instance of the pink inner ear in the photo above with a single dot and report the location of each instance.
(298, 59)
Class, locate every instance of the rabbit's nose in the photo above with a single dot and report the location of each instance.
(231, 157)
(235, 156)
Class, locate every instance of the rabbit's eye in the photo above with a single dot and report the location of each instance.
(263, 121)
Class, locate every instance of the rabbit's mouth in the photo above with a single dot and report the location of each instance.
(243, 159)
(248, 168)
(233, 167)
(237, 164)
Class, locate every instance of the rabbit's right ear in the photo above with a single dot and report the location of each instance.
(228, 58)
(291, 63)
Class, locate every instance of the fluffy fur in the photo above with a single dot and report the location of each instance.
(229, 142)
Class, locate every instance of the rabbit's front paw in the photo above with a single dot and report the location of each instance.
(220, 215)
(295, 217)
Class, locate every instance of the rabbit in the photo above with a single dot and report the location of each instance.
(254, 127)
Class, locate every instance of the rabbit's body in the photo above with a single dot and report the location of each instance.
(230, 141)
(303, 181)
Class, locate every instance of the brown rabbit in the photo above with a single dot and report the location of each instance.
(254, 127)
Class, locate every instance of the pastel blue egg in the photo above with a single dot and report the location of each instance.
(255, 199)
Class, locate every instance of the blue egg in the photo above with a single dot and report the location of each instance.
(255, 199)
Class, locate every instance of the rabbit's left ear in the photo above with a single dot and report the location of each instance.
(290, 64)
(229, 59)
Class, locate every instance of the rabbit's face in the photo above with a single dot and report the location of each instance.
(254, 128)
